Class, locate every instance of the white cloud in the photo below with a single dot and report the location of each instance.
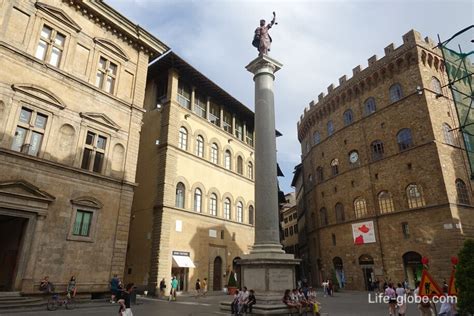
(317, 41)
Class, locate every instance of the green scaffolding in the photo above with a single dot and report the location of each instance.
(457, 53)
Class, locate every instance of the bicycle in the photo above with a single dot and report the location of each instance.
(55, 301)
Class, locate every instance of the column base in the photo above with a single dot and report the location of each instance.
(267, 248)
(269, 275)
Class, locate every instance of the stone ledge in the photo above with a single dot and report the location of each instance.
(259, 309)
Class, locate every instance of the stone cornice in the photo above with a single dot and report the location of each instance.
(107, 17)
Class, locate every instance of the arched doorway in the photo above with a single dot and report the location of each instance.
(339, 268)
(413, 267)
(217, 276)
(366, 262)
(236, 268)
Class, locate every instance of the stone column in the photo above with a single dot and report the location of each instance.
(268, 270)
(267, 235)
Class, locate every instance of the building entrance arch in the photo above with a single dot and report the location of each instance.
(413, 267)
(366, 262)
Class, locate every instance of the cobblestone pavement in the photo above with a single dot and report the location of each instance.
(341, 304)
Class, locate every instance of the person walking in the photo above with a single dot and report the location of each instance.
(402, 301)
(71, 287)
(392, 299)
(124, 301)
(114, 287)
(204, 287)
(174, 288)
(198, 288)
(162, 288)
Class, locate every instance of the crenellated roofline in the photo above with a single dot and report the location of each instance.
(395, 59)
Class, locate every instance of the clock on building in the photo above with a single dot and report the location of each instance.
(353, 157)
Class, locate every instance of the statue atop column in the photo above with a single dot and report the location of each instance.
(262, 40)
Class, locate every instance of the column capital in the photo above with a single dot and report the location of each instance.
(264, 64)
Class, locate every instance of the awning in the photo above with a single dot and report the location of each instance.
(183, 262)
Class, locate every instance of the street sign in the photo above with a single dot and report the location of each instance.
(428, 286)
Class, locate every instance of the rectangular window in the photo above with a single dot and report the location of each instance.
(82, 223)
(405, 230)
(291, 230)
(296, 228)
(239, 130)
(29, 132)
(106, 75)
(286, 232)
(333, 239)
(50, 46)
(213, 233)
(184, 95)
(94, 152)
(215, 114)
(200, 106)
(227, 122)
(249, 137)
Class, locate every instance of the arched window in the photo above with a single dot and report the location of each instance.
(395, 92)
(319, 174)
(404, 139)
(200, 146)
(448, 134)
(369, 106)
(377, 150)
(330, 128)
(240, 212)
(436, 85)
(180, 190)
(251, 215)
(340, 216)
(323, 216)
(415, 196)
(240, 165)
(385, 202)
(197, 200)
(213, 204)
(335, 167)
(214, 153)
(348, 117)
(227, 160)
(316, 137)
(461, 189)
(227, 208)
(250, 170)
(360, 207)
(183, 138)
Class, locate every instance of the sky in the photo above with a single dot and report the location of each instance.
(316, 41)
